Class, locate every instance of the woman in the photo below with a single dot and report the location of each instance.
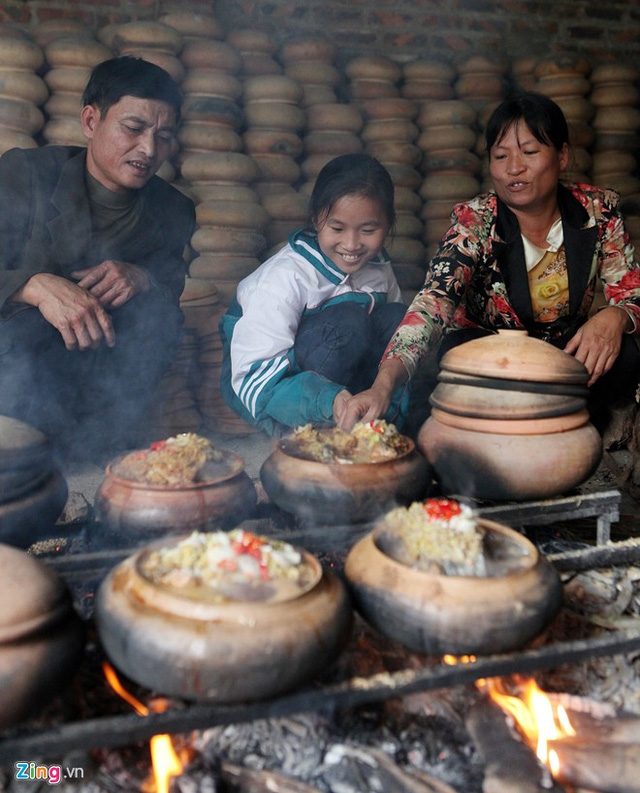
(525, 256)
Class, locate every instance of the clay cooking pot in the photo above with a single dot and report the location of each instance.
(41, 636)
(354, 492)
(139, 512)
(223, 652)
(461, 615)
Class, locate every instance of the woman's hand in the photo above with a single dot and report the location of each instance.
(597, 342)
(374, 402)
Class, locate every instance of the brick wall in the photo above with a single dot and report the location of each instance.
(402, 29)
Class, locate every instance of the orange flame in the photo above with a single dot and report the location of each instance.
(537, 717)
(164, 759)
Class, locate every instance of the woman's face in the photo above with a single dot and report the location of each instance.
(353, 232)
(524, 171)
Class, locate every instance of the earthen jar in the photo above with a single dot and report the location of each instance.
(41, 636)
(352, 492)
(139, 512)
(223, 652)
(510, 420)
(33, 490)
(462, 615)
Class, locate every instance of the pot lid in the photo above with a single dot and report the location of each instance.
(32, 595)
(21, 444)
(498, 403)
(514, 355)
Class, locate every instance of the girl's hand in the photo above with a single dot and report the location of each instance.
(339, 404)
(597, 342)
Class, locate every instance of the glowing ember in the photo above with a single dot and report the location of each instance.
(164, 759)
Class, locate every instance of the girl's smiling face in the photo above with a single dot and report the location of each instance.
(352, 232)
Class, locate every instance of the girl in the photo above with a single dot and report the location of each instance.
(309, 326)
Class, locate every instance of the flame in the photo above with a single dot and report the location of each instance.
(533, 711)
(537, 717)
(164, 759)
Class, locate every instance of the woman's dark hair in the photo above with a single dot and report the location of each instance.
(352, 174)
(541, 114)
(130, 76)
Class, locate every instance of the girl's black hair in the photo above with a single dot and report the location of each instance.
(130, 76)
(542, 115)
(351, 174)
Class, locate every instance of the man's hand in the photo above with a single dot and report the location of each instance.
(597, 342)
(76, 313)
(114, 283)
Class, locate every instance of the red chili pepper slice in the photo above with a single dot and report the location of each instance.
(441, 508)
(376, 427)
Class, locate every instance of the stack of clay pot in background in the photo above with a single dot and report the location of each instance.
(212, 112)
(22, 90)
(450, 166)
(565, 79)
(522, 73)
(390, 135)
(174, 408)
(70, 59)
(481, 81)
(257, 50)
(202, 313)
(428, 81)
(274, 122)
(231, 221)
(372, 77)
(155, 42)
(311, 61)
(332, 128)
(615, 96)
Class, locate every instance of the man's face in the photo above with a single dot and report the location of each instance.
(130, 142)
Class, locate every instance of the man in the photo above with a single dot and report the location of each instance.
(91, 262)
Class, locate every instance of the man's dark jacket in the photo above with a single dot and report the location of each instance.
(45, 224)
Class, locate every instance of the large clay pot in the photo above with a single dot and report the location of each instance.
(499, 466)
(223, 652)
(351, 492)
(33, 491)
(461, 615)
(509, 420)
(139, 512)
(41, 636)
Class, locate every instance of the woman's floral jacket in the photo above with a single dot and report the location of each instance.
(478, 277)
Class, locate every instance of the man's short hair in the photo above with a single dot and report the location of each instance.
(130, 76)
